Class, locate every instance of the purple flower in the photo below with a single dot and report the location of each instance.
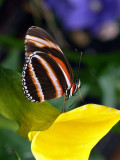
(85, 14)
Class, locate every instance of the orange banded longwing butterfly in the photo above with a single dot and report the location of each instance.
(47, 73)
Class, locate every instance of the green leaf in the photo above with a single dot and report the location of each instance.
(17, 156)
(116, 128)
(14, 147)
(74, 100)
(13, 59)
(7, 123)
(11, 41)
(96, 156)
(14, 105)
(107, 81)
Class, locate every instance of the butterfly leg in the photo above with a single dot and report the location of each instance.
(63, 108)
(81, 96)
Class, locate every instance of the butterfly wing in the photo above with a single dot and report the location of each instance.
(47, 72)
(38, 39)
(42, 78)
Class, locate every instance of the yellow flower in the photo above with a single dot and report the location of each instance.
(74, 133)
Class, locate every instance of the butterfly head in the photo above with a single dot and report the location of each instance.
(77, 85)
(74, 88)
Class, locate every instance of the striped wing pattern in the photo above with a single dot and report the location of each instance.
(46, 73)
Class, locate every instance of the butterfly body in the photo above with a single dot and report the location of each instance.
(47, 73)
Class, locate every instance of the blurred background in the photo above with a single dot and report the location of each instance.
(90, 26)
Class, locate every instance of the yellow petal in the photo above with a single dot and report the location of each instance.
(74, 133)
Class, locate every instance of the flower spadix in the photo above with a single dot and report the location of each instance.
(73, 135)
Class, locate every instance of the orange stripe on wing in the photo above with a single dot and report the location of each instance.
(31, 73)
(39, 42)
(61, 64)
(34, 81)
(28, 54)
(51, 78)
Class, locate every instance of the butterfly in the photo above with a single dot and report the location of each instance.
(47, 73)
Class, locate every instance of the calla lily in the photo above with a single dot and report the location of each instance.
(73, 135)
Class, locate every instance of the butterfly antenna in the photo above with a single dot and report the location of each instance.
(76, 64)
(81, 96)
(79, 62)
(66, 99)
(63, 108)
(74, 102)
